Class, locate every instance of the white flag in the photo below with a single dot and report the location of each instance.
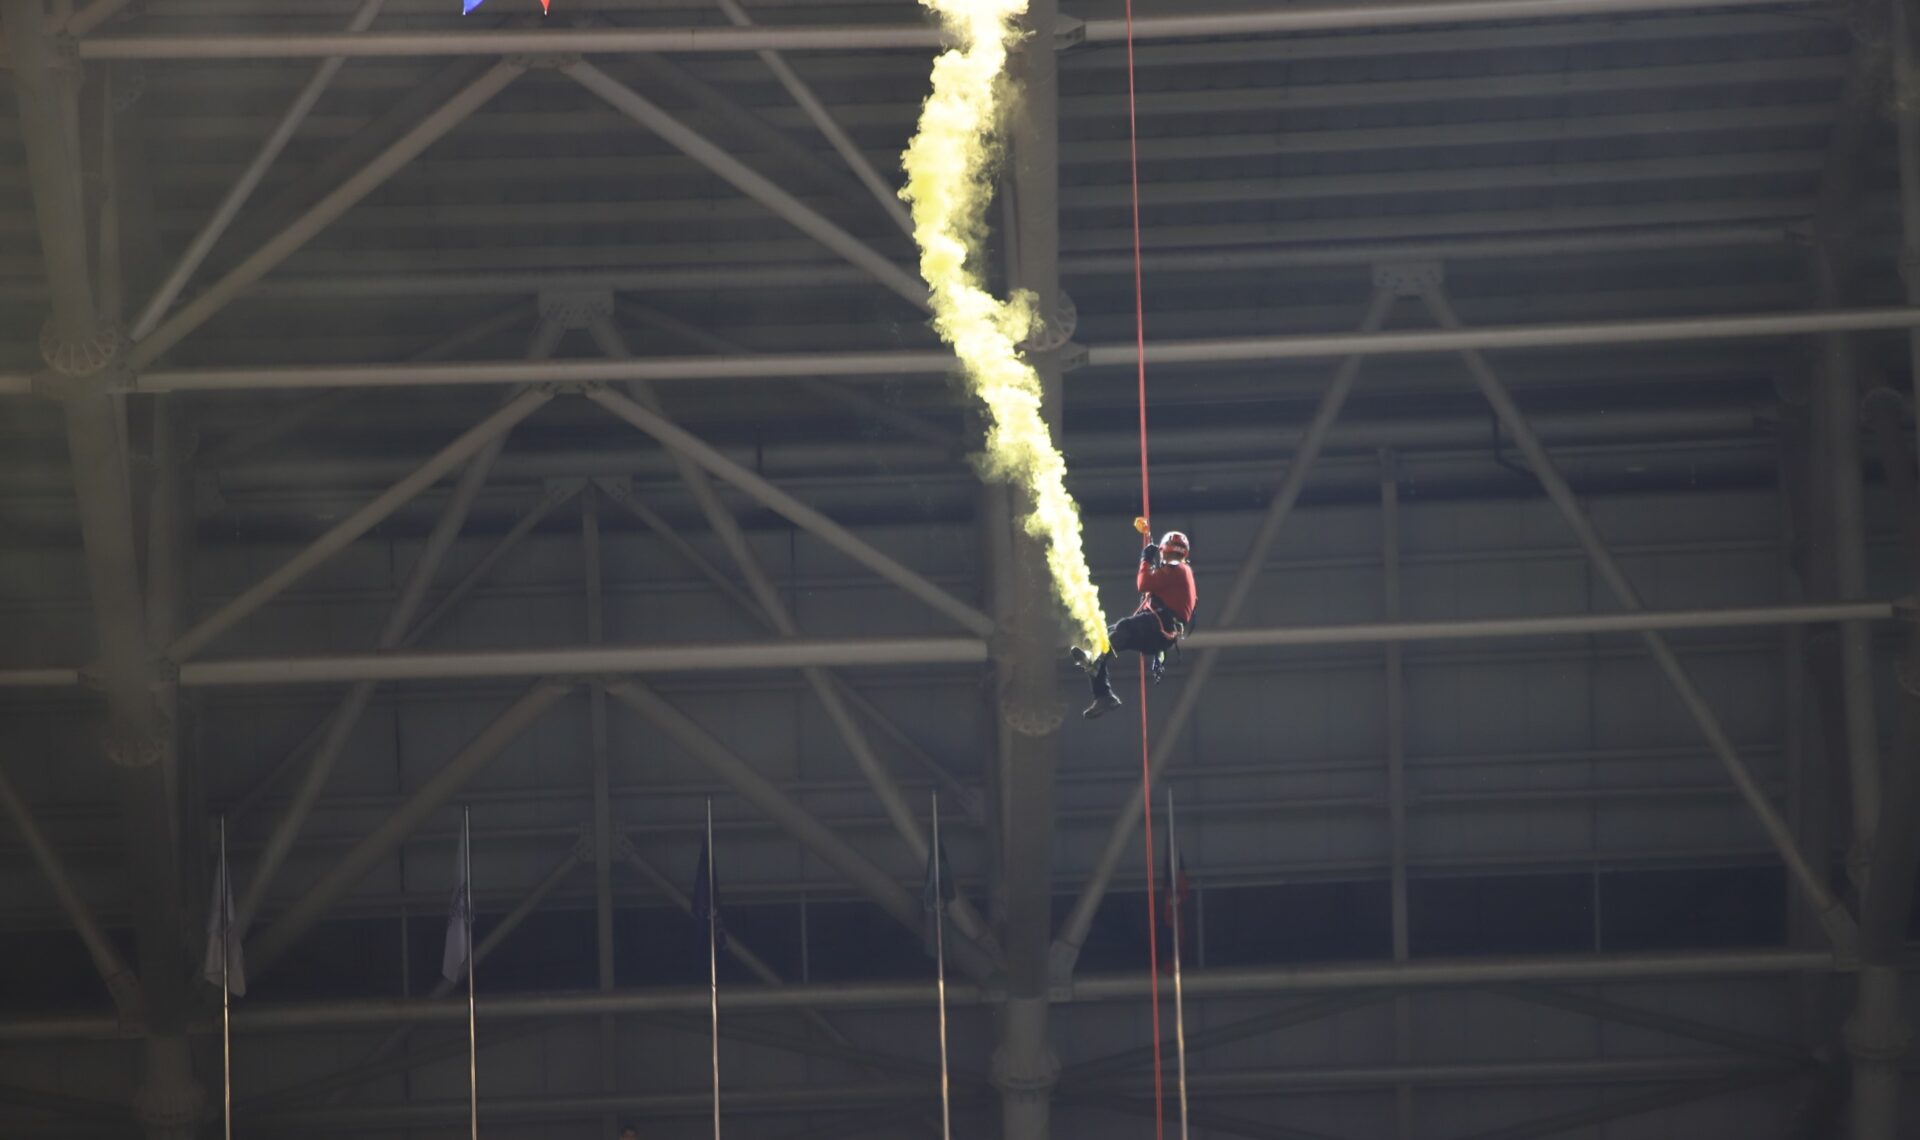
(458, 954)
(219, 922)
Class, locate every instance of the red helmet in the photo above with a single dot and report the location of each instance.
(1174, 542)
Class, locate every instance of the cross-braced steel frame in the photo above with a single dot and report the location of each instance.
(150, 648)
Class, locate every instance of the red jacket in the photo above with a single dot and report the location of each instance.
(1170, 584)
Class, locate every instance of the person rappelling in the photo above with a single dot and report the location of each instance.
(1167, 599)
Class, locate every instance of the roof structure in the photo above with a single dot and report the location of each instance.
(403, 412)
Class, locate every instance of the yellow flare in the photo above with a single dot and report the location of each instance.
(949, 167)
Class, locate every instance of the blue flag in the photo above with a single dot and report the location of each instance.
(937, 890)
(705, 907)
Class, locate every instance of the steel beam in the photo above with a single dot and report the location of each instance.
(1877, 1036)
(333, 1084)
(125, 989)
(805, 1097)
(1657, 1020)
(557, 494)
(302, 229)
(927, 364)
(140, 740)
(750, 126)
(243, 186)
(307, 910)
(700, 744)
(400, 621)
(837, 1044)
(795, 654)
(1395, 707)
(748, 181)
(1073, 931)
(806, 518)
(869, 37)
(1239, 982)
(867, 406)
(1028, 708)
(576, 855)
(600, 780)
(1839, 924)
(1245, 1029)
(1837, 387)
(1636, 1105)
(772, 608)
(1906, 106)
(822, 118)
(676, 279)
(483, 438)
(621, 492)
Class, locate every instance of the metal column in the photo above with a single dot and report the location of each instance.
(1025, 1066)
(1838, 393)
(81, 350)
(603, 835)
(1396, 707)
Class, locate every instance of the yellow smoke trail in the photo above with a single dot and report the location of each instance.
(949, 167)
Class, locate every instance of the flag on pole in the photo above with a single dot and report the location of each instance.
(467, 6)
(221, 934)
(937, 891)
(457, 958)
(706, 908)
(1173, 908)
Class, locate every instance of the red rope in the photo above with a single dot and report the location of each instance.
(1146, 512)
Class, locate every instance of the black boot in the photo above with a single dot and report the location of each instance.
(1105, 700)
(1083, 661)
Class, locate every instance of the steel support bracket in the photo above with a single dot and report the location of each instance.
(1062, 957)
(1843, 933)
(1069, 32)
(619, 488)
(96, 356)
(1071, 357)
(1409, 278)
(560, 490)
(545, 61)
(576, 309)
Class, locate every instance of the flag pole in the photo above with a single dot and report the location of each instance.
(713, 967)
(1179, 1007)
(473, 1067)
(226, 993)
(940, 973)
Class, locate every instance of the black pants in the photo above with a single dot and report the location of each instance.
(1140, 634)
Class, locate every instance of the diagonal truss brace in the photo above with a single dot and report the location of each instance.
(1833, 915)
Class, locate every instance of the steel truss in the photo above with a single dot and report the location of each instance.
(88, 376)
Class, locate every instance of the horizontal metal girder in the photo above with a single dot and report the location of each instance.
(776, 366)
(1248, 981)
(869, 37)
(798, 653)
